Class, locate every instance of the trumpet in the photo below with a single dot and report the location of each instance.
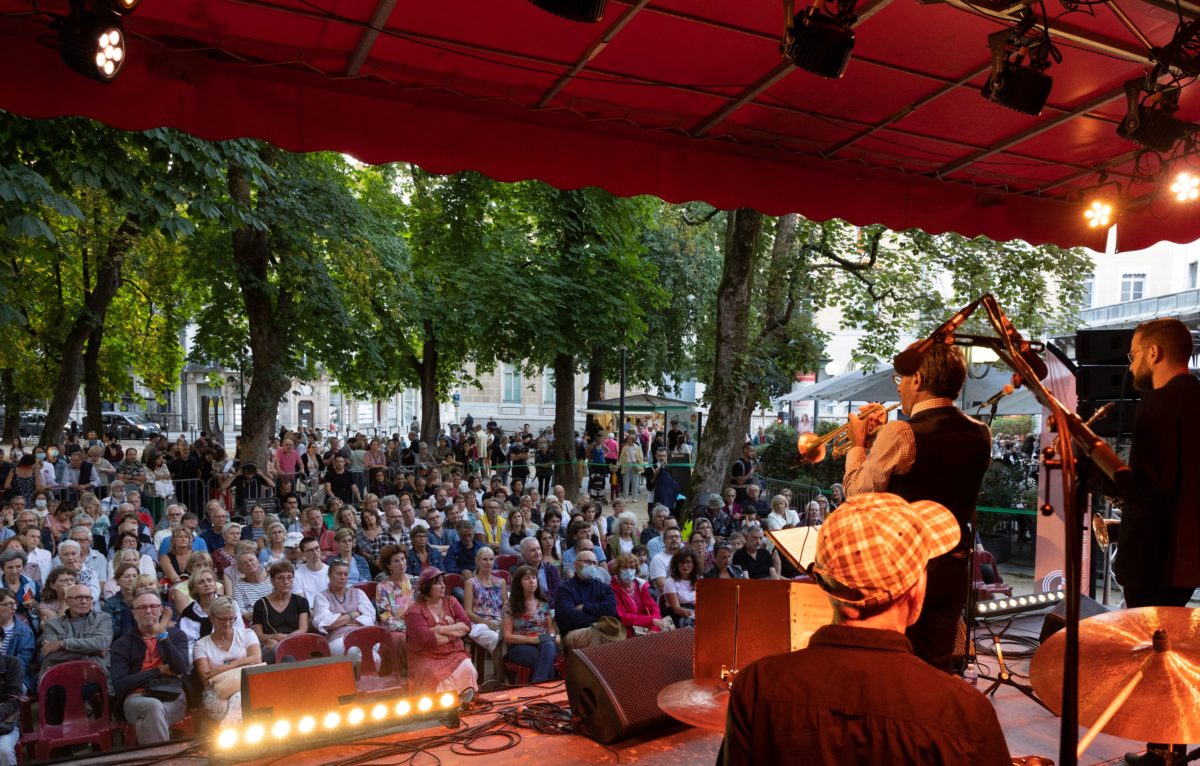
(812, 447)
(1105, 530)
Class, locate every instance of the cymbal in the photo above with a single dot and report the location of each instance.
(1113, 647)
(700, 702)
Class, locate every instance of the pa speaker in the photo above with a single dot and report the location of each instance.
(1108, 381)
(1056, 620)
(613, 688)
(1103, 346)
(1118, 422)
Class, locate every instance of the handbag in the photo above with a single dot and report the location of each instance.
(164, 688)
(228, 683)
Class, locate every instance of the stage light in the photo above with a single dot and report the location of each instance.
(447, 700)
(1186, 187)
(280, 729)
(379, 712)
(355, 716)
(1012, 83)
(93, 44)
(425, 705)
(227, 738)
(1099, 215)
(1149, 107)
(819, 40)
(122, 7)
(1017, 603)
(254, 734)
(588, 11)
(403, 708)
(332, 719)
(306, 725)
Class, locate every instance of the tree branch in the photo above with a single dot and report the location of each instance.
(702, 220)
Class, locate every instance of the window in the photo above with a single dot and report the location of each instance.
(1192, 274)
(548, 391)
(1132, 287)
(512, 384)
(1089, 285)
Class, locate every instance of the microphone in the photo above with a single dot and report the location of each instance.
(1030, 356)
(996, 397)
(908, 361)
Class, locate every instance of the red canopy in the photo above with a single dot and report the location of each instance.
(683, 99)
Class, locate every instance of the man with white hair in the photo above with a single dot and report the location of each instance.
(858, 694)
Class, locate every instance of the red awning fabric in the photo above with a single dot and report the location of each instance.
(683, 99)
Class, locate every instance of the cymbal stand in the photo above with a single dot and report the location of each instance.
(1004, 676)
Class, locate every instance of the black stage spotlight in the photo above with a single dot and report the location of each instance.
(93, 44)
(816, 40)
(1148, 115)
(589, 11)
(1013, 83)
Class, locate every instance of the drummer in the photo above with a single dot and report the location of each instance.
(858, 694)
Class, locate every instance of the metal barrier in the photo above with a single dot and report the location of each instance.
(802, 494)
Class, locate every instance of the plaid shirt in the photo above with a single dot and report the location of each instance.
(893, 453)
(400, 537)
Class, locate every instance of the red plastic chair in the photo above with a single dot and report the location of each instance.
(454, 581)
(302, 647)
(505, 563)
(521, 675)
(76, 728)
(503, 575)
(370, 588)
(372, 678)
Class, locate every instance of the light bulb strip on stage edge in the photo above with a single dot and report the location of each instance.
(1012, 605)
(276, 735)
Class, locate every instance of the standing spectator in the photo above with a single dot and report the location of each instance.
(631, 467)
(339, 482)
(147, 669)
(25, 479)
(435, 626)
(221, 653)
(743, 474)
(185, 470)
(131, 471)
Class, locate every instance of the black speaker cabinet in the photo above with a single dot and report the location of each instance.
(1103, 346)
(1056, 620)
(1108, 381)
(613, 688)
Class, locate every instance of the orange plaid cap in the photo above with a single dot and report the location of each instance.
(873, 548)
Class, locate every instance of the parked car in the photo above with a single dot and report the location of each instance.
(32, 423)
(127, 425)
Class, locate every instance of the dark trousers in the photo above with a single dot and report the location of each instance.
(56, 700)
(933, 634)
(1154, 595)
(540, 658)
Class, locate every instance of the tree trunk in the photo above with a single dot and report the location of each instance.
(724, 429)
(12, 405)
(595, 385)
(90, 317)
(267, 308)
(431, 421)
(91, 382)
(566, 472)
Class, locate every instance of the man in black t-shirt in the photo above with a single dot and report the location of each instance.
(756, 560)
(743, 473)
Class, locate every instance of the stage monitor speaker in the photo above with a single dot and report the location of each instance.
(1104, 382)
(297, 688)
(613, 688)
(1118, 422)
(1056, 620)
(1103, 346)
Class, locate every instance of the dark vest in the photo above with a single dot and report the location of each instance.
(953, 452)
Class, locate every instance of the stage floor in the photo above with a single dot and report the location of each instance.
(1029, 729)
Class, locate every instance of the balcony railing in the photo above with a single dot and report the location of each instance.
(1131, 312)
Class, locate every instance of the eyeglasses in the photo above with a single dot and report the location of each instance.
(897, 379)
(79, 598)
(1130, 356)
(147, 607)
(225, 620)
(8, 605)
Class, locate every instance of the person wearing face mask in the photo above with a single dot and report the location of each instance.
(857, 694)
(636, 608)
(585, 607)
(51, 466)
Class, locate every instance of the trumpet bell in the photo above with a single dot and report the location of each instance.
(811, 448)
(1105, 530)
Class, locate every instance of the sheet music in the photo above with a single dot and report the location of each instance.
(810, 610)
(798, 544)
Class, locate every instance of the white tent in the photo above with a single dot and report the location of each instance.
(982, 382)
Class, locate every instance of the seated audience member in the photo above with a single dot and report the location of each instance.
(528, 627)
(312, 576)
(858, 694)
(81, 634)
(119, 607)
(218, 657)
(343, 543)
(658, 522)
(660, 564)
(10, 709)
(147, 667)
(174, 561)
(38, 563)
(181, 594)
(195, 620)
(551, 548)
(70, 555)
(582, 601)
(578, 532)
(280, 613)
(252, 582)
(393, 598)
(679, 589)
(549, 575)
(129, 541)
(26, 590)
(636, 608)
(421, 554)
(340, 609)
(723, 566)
(273, 542)
(435, 626)
(701, 541)
(757, 561)
(54, 595)
(18, 643)
(460, 559)
(483, 600)
(624, 537)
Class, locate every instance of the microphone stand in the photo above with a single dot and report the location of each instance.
(1090, 448)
